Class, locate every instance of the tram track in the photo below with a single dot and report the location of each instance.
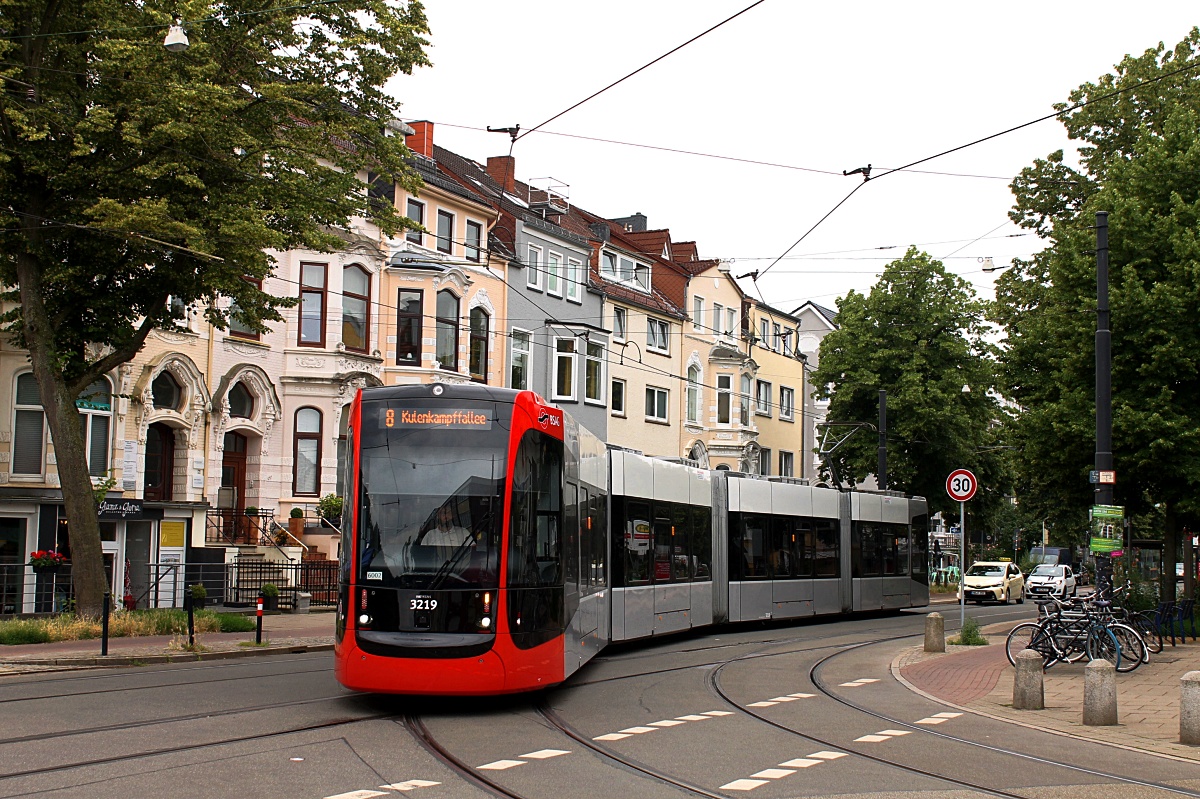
(185, 748)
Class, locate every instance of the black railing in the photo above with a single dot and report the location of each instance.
(228, 585)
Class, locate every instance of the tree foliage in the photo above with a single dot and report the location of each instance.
(130, 174)
(920, 336)
(1140, 162)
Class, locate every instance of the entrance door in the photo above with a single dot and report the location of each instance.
(137, 561)
(160, 462)
(233, 475)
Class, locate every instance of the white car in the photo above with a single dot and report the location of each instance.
(1048, 579)
(995, 581)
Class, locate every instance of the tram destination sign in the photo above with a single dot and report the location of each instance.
(442, 418)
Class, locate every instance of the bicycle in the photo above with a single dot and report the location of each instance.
(1060, 639)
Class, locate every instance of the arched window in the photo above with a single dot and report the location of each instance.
(29, 428)
(356, 304)
(241, 402)
(447, 330)
(479, 344)
(166, 392)
(306, 458)
(693, 394)
(95, 406)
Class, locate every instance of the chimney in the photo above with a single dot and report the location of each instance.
(633, 224)
(502, 169)
(421, 139)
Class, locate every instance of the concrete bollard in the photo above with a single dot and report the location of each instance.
(1028, 690)
(935, 633)
(1099, 694)
(1189, 708)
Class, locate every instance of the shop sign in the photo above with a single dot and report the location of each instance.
(120, 509)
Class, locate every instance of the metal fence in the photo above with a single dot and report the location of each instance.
(230, 585)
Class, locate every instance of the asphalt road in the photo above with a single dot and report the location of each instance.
(777, 711)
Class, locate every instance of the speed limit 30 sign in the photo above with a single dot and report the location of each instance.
(961, 485)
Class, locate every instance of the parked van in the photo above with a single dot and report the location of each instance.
(1056, 556)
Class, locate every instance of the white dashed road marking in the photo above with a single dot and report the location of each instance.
(693, 718)
(742, 785)
(873, 739)
(638, 730)
(895, 733)
(357, 795)
(408, 785)
(784, 769)
(931, 720)
(543, 754)
(947, 715)
(612, 736)
(501, 765)
(667, 723)
(859, 682)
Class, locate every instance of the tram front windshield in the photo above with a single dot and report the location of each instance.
(432, 493)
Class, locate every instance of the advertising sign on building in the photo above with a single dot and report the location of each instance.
(120, 509)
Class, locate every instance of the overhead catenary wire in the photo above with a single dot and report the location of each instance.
(639, 69)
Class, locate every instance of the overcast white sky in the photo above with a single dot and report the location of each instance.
(824, 86)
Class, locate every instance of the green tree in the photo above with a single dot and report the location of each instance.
(920, 336)
(1139, 161)
(138, 181)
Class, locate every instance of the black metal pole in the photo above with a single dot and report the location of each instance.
(191, 617)
(881, 470)
(1104, 456)
(104, 623)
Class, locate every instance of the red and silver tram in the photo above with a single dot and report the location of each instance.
(491, 545)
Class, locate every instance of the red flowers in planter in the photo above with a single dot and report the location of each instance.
(46, 559)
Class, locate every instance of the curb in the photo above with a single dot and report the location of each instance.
(180, 657)
(894, 668)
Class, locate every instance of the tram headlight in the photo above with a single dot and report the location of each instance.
(485, 622)
(364, 619)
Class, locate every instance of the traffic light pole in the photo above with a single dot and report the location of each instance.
(1104, 456)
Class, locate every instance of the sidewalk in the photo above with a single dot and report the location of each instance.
(282, 632)
(979, 679)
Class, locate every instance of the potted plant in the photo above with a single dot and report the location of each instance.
(46, 560)
(330, 508)
(270, 595)
(296, 523)
(251, 510)
(199, 595)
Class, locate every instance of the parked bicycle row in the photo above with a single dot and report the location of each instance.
(1092, 627)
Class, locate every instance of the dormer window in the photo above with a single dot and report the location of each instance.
(624, 270)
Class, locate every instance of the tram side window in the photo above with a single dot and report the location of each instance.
(920, 546)
(827, 556)
(637, 540)
(664, 543)
(681, 550)
(571, 528)
(864, 538)
(535, 546)
(598, 514)
(753, 543)
(805, 546)
(784, 561)
(701, 542)
(887, 546)
(900, 535)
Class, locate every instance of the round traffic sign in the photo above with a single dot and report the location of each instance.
(961, 485)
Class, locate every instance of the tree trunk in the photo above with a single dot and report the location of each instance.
(1166, 586)
(62, 417)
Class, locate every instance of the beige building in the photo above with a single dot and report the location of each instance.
(779, 389)
(719, 429)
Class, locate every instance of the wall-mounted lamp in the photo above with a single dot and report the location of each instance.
(177, 40)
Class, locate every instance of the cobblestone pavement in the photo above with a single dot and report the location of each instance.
(980, 679)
